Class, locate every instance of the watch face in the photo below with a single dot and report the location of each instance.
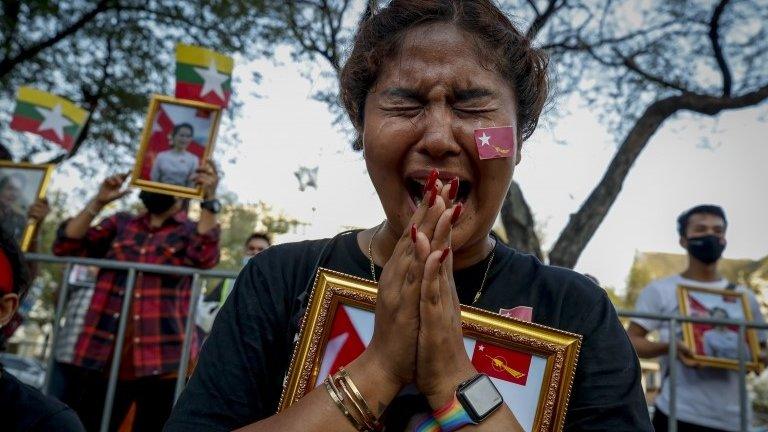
(481, 397)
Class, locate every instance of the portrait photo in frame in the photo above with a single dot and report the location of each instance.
(531, 365)
(179, 135)
(717, 345)
(20, 185)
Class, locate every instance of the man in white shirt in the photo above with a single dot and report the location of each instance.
(707, 398)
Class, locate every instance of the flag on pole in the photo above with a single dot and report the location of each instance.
(203, 75)
(52, 117)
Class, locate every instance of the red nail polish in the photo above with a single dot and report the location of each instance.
(433, 197)
(456, 213)
(431, 180)
(445, 254)
(413, 233)
(454, 190)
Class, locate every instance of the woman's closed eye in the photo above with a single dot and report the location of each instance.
(473, 112)
(407, 110)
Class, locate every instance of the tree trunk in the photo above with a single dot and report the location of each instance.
(518, 222)
(582, 225)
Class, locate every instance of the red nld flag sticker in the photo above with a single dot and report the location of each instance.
(495, 142)
(502, 363)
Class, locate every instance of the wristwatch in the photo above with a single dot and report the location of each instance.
(212, 205)
(479, 397)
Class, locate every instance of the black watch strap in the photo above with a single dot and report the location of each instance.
(212, 205)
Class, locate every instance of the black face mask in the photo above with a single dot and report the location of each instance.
(706, 249)
(157, 203)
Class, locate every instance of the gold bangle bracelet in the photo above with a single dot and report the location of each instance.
(356, 410)
(357, 398)
(335, 395)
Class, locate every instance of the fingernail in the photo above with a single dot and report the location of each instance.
(413, 233)
(445, 254)
(433, 197)
(431, 180)
(456, 213)
(454, 190)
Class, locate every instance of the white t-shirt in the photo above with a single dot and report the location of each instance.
(705, 396)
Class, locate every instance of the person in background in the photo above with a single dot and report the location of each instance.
(24, 408)
(155, 331)
(11, 222)
(209, 307)
(65, 382)
(176, 166)
(707, 398)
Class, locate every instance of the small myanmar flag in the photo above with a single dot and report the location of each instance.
(52, 117)
(203, 75)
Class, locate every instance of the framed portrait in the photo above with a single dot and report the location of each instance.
(718, 345)
(178, 136)
(20, 185)
(531, 365)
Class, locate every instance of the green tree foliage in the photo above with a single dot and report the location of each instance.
(109, 56)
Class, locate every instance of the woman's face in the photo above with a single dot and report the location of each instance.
(422, 113)
(182, 138)
(11, 192)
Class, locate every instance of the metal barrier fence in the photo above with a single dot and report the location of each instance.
(672, 322)
(133, 268)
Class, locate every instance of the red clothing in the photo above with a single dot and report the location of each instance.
(160, 302)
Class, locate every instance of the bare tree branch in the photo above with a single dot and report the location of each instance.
(714, 38)
(26, 53)
(584, 223)
(532, 4)
(11, 10)
(542, 18)
(631, 64)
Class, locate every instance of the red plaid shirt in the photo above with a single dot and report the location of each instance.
(160, 302)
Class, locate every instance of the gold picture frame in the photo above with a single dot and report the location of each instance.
(38, 192)
(695, 335)
(555, 351)
(155, 130)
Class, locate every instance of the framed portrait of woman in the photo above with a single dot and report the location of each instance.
(717, 345)
(531, 365)
(178, 136)
(20, 185)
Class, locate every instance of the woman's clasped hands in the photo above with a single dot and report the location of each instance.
(417, 334)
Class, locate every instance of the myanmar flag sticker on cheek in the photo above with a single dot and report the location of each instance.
(495, 142)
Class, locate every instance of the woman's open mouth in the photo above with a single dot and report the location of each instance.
(415, 187)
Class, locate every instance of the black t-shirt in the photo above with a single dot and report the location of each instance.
(25, 409)
(239, 376)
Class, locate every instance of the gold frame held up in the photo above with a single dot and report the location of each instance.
(332, 289)
(153, 186)
(688, 340)
(29, 229)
